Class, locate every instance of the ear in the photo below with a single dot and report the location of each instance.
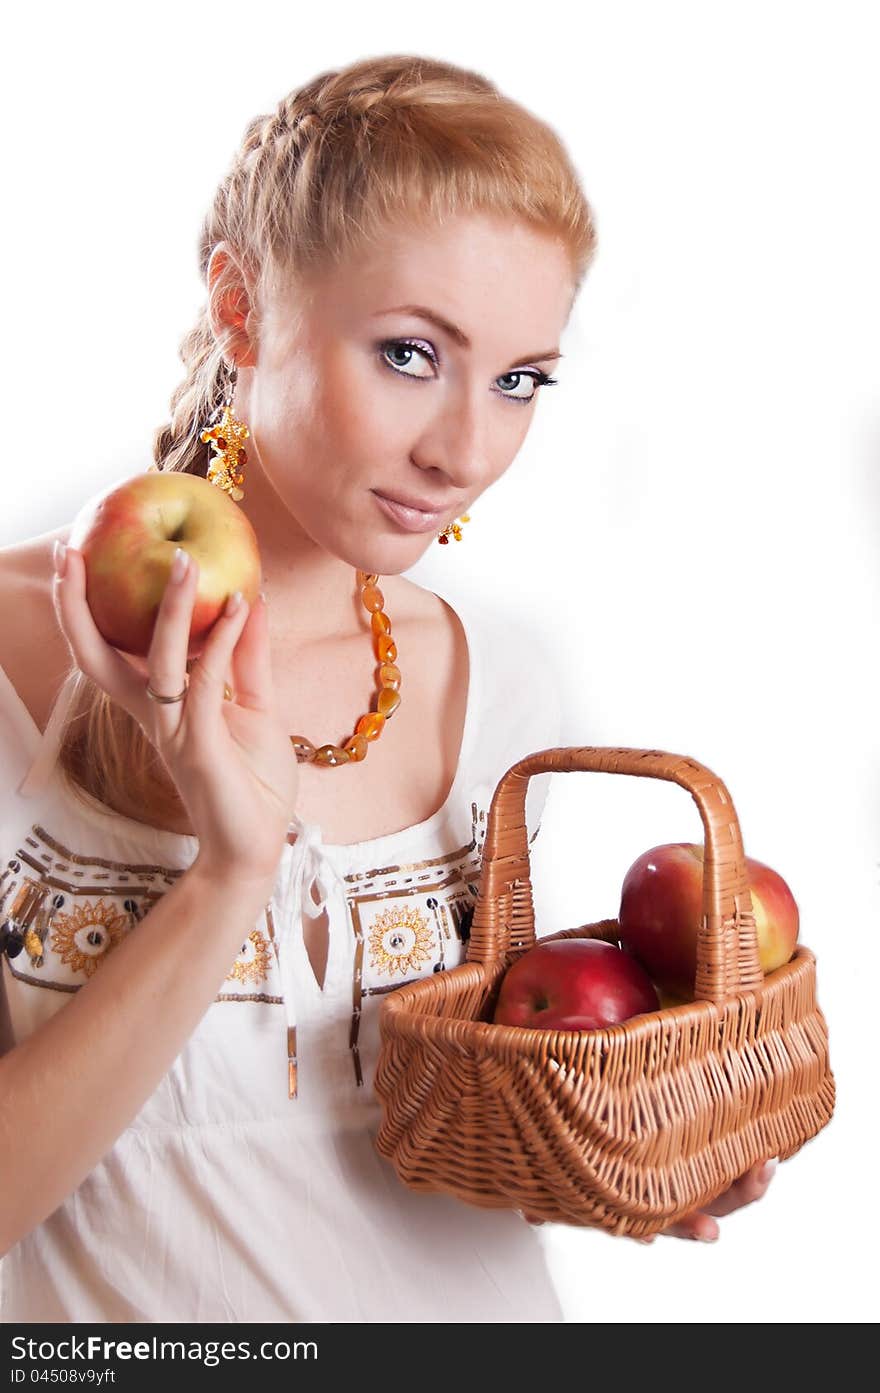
(231, 308)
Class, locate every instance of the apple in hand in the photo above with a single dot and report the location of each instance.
(128, 535)
(573, 984)
(661, 906)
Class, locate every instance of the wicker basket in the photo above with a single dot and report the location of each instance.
(627, 1128)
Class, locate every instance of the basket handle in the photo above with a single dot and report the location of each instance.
(504, 913)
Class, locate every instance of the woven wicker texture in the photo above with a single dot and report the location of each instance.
(627, 1128)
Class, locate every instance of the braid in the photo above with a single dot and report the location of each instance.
(290, 117)
(394, 84)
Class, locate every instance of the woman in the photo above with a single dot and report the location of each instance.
(216, 891)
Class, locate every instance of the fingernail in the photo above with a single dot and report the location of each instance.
(705, 1237)
(768, 1168)
(59, 557)
(179, 566)
(233, 602)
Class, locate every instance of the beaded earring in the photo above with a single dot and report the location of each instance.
(226, 439)
(453, 530)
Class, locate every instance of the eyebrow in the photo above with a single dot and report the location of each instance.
(458, 335)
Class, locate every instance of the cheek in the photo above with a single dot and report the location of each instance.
(363, 416)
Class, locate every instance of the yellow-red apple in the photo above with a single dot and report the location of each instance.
(661, 906)
(128, 535)
(573, 984)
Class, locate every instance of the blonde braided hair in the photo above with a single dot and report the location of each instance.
(315, 181)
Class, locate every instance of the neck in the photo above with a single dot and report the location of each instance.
(311, 594)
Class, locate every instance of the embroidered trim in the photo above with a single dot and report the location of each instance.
(74, 910)
(83, 937)
(254, 967)
(400, 941)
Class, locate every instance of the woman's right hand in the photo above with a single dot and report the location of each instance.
(232, 762)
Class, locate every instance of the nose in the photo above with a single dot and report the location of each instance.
(456, 442)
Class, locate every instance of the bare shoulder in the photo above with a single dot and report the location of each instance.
(434, 635)
(33, 651)
(24, 642)
(434, 620)
(415, 604)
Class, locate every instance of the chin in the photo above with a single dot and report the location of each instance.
(373, 553)
(384, 567)
(382, 560)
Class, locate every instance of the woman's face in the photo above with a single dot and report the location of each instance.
(340, 409)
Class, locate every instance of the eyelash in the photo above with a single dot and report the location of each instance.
(540, 378)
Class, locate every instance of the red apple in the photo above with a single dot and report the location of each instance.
(128, 535)
(574, 984)
(661, 906)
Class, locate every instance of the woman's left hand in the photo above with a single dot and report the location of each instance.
(700, 1223)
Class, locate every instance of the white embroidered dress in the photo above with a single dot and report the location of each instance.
(226, 1198)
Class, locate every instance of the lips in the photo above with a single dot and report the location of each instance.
(421, 505)
(410, 519)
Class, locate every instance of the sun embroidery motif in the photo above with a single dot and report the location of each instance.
(84, 936)
(400, 941)
(252, 964)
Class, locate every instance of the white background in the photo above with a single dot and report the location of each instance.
(692, 521)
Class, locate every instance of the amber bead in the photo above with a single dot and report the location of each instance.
(331, 754)
(388, 701)
(242, 457)
(386, 648)
(444, 541)
(372, 597)
(305, 750)
(380, 622)
(371, 725)
(357, 748)
(389, 676)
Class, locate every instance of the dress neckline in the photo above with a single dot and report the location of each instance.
(44, 747)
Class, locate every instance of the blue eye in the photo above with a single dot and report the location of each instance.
(410, 346)
(540, 379)
(404, 346)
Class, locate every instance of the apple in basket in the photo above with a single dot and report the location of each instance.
(128, 535)
(574, 984)
(661, 906)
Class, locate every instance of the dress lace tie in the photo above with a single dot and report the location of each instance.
(311, 870)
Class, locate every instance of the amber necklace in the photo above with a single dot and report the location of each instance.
(372, 723)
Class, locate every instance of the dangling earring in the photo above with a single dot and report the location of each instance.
(453, 530)
(225, 439)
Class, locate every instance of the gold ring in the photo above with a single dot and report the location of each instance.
(154, 696)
